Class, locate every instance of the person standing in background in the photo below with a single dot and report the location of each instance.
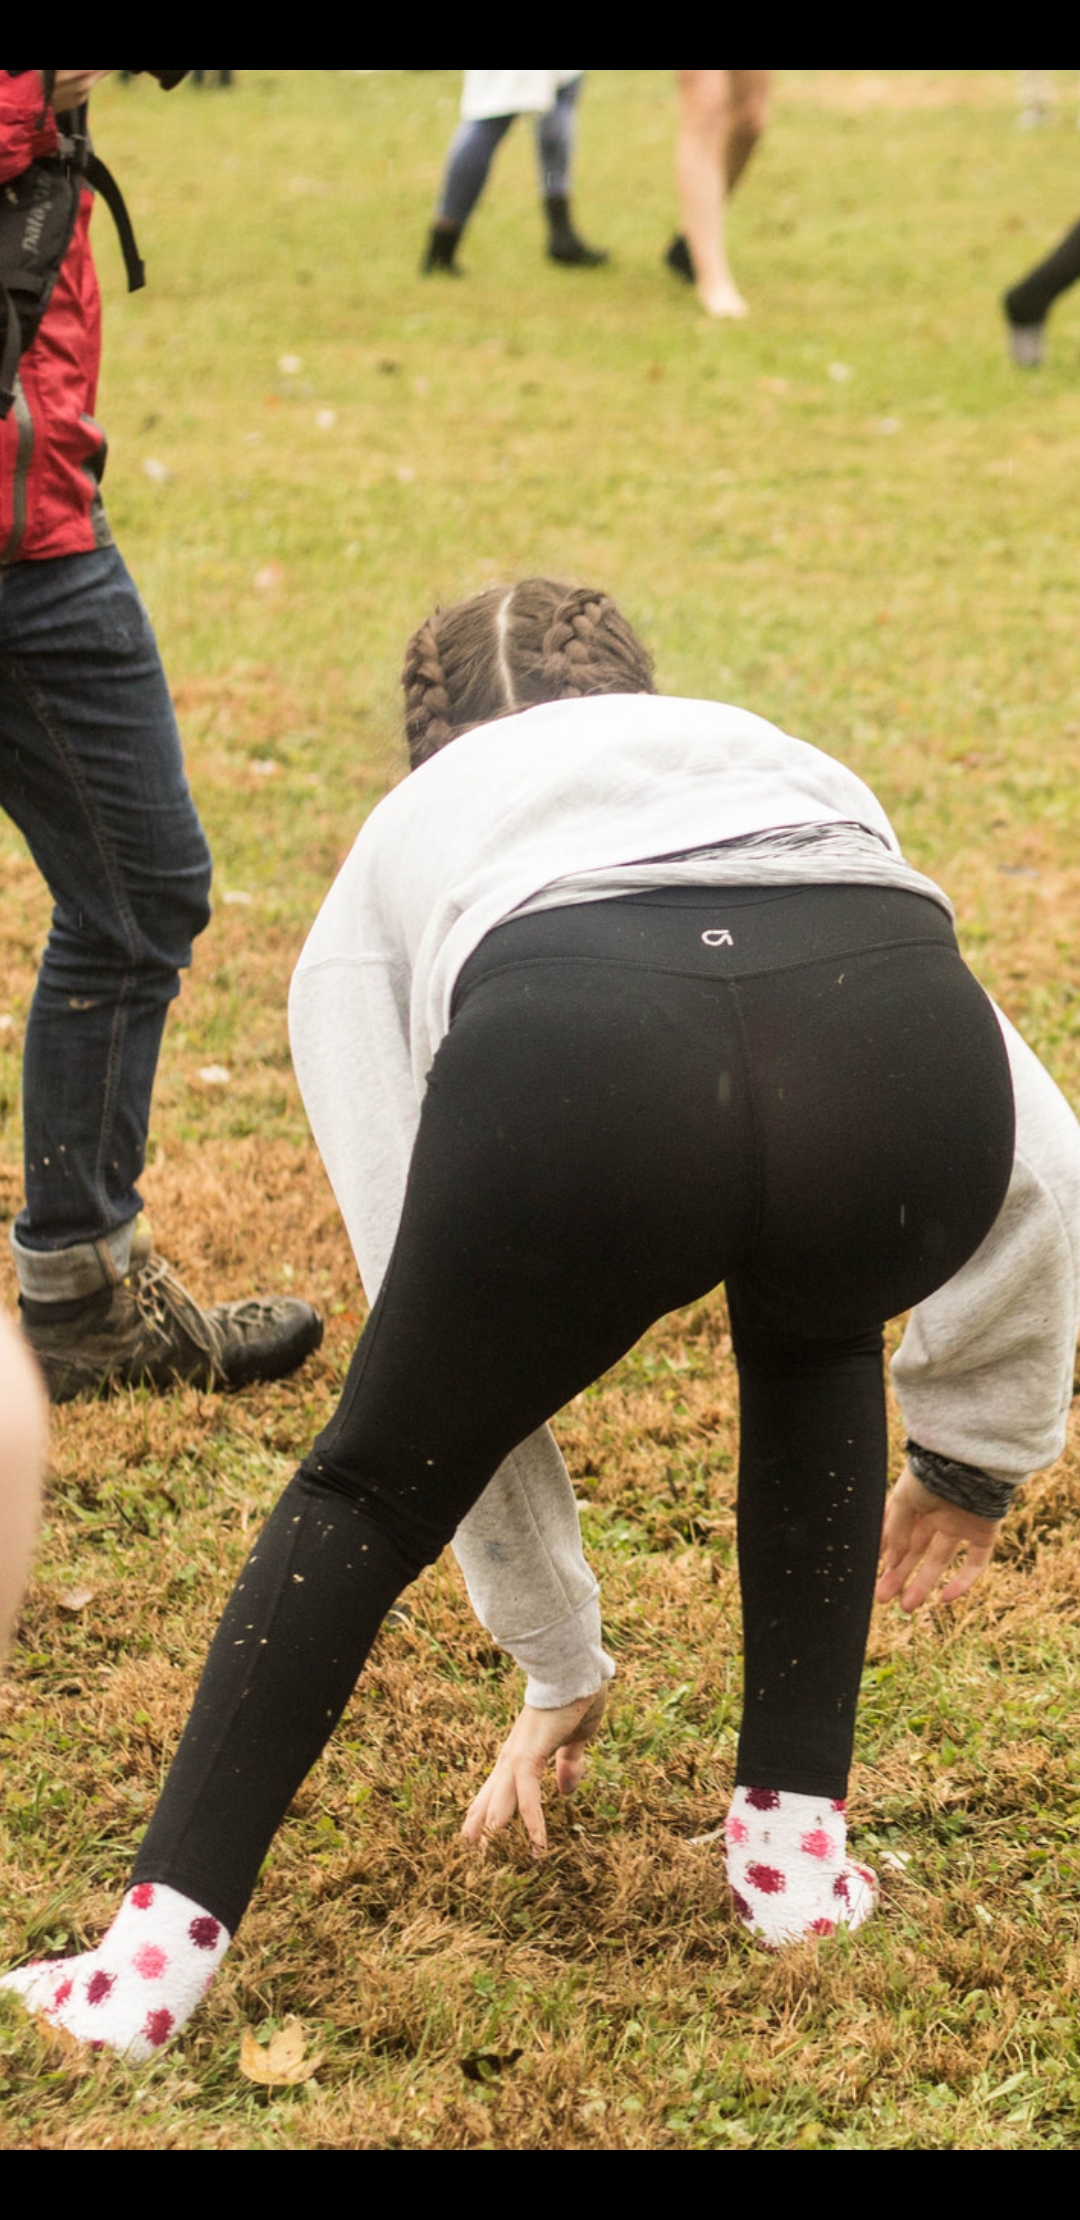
(1028, 303)
(491, 99)
(92, 773)
(722, 114)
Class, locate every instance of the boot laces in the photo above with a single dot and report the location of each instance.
(162, 1301)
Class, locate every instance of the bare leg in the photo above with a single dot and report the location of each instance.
(748, 115)
(721, 116)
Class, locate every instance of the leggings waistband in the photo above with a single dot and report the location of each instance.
(715, 932)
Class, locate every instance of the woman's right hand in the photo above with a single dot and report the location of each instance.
(514, 1783)
(921, 1537)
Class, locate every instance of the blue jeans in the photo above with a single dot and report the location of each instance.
(473, 150)
(91, 771)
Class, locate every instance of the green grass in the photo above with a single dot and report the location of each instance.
(886, 563)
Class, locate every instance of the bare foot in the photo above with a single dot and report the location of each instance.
(722, 300)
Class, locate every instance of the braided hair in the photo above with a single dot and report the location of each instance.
(511, 648)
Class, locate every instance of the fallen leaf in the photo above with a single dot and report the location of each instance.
(237, 896)
(840, 372)
(326, 419)
(280, 2063)
(158, 472)
(268, 578)
(75, 1599)
(289, 365)
(215, 1075)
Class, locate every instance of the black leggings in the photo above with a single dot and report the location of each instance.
(803, 1093)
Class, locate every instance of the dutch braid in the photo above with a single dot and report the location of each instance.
(505, 651)
(589, 648)
(427, 700)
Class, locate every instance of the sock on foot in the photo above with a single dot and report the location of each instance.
(135, 1991)
(788, 1866)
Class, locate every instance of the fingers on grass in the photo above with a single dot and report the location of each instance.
(569, 1767)
(530, 1805)
(924, 1579)
(966, 1575)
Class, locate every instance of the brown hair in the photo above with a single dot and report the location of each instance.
(511, 648)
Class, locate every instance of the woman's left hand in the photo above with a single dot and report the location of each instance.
(919, 1541)
(514, 1785)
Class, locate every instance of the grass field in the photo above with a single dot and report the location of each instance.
(852, 515)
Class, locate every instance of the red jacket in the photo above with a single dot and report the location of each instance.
(52, 454)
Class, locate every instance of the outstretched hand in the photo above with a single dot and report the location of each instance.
(514, 1784)
(920, 1540)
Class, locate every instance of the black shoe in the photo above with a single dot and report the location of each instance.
(149, 1332)
(440, 251)
(678, 259)
(564, 244)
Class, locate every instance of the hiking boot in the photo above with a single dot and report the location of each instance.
(147, 1331)
(564, 243)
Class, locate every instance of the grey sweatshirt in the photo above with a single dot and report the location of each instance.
(584, 801)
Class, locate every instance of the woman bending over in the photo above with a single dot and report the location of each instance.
(616, 998)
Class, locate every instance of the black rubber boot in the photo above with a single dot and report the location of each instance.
(678, 258)
(564, 245)
(440, 251)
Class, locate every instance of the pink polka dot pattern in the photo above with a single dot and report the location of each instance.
(150, 1962)
(158, 1938)
(788, 1868)
(817, 1844)
(767, 1878)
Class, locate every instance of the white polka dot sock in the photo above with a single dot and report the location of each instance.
(788, 1866)
(142, 1982)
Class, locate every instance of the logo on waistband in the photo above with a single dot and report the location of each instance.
(720, 938)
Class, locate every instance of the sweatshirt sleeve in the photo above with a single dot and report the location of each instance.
(984, 1373)
(27, 126)
(520, 1546)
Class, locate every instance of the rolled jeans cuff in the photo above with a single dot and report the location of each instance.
(68, 1275)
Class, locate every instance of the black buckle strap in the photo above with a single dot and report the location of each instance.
(105, 183)
(9, 359)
